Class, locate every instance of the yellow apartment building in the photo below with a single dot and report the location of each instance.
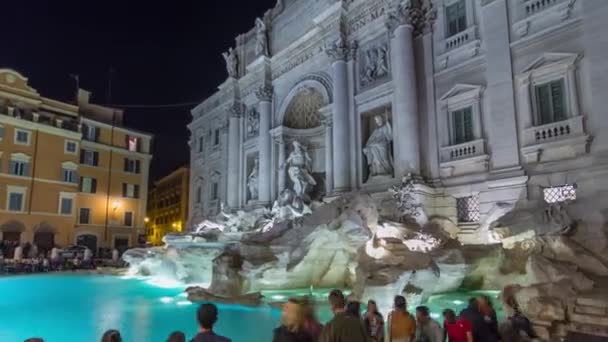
(168, 205)
(69, 174)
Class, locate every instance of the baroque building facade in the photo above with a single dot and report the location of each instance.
(488, 101)
(69, 173)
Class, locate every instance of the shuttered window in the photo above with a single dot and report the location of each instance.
(456, 18)
(19, 168)
(463, 126)
(551, 102)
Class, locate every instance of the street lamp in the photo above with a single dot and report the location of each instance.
(116, 205)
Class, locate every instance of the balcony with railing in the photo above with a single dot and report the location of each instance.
(463, 151)
(554, 131)
(469, 157)
(555, 141)
(535, 16)
(457, 49)
(460, 39)
(531, 7)
(43, 118)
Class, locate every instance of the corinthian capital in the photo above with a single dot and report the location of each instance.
(342, 50)
(236, 110)
(264, 93)
(419, 14)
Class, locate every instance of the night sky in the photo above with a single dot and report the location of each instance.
(161, 52)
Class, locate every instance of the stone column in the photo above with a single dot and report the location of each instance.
(329, 167)
(264, 94)
(340, 53)
(234, 134)
(405, 106)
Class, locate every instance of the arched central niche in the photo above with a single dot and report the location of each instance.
(303, 110)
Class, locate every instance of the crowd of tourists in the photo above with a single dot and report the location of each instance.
(476, 323)
(28, 258)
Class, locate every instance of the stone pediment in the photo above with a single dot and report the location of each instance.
(14, 79)
(551, 59)
(460, 89)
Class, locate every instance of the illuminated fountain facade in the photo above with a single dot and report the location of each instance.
(415, 147)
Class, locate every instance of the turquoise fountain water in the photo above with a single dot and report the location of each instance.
(66, 308)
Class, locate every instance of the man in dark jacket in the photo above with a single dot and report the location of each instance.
(207, 316)
(481, 330)
(343, 327)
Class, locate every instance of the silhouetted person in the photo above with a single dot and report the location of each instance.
(207, 317)
(111, 336)
(342, 327)
(177, 336)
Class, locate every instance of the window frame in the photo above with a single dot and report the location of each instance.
(95, 159)
(449, 5)
(454, 132)
(66, 196)
(460, 97)
(2, 132)
(67, 143)
(547, 68)
(16, 134)
(89, 215)
(132, 224)
(10, 189)
(93, 187)
(215, 191)
(216, 137)
(536, 102)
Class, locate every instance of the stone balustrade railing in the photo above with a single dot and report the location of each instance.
(462, 151)
(554, 131)
(531, 7)
(460, 39)
(70, 125)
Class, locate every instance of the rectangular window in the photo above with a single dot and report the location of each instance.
(201, 142)
(22, 137)
(128, 218)
(468, 209)
(84, 216)
(65, 205)
(15, 201)
(89, 157)
(456, 18)
(1, 133)
(558, 194)
(71, 147)
(132, 165)
(19, 168)
(216, 137)
(463, 126)
(91, 133)
(550, 102)
(199, 192)
(214, 191)
(69, 176)
(88, 185)
(133, 144)
(130, 190)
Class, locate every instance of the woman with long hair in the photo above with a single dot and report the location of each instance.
(374, 322)
(292, 324)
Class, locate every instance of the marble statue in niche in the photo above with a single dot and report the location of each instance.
(232, 63)
(377, 150)
(252, 180)
(375, 65)
(300, 170)
(253, 123)
(261, 45)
